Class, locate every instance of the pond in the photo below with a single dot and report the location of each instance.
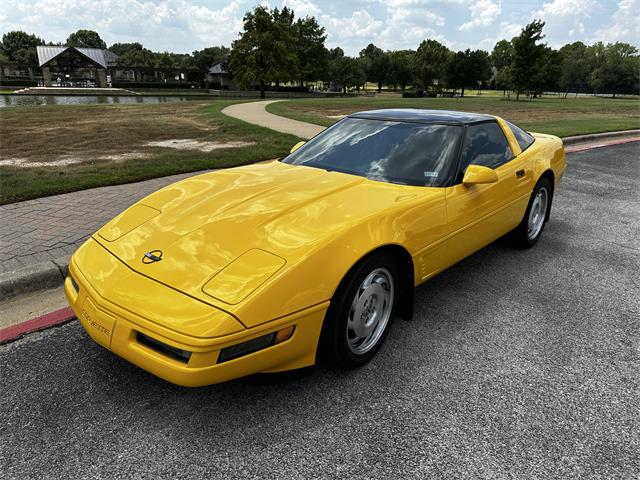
(34, 100)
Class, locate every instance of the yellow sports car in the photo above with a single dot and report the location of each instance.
(264, 267)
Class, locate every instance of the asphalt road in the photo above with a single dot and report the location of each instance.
(518, 364)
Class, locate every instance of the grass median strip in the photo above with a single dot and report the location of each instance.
(47, 150)
(553, 115)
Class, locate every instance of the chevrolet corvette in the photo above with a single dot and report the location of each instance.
(270, 266)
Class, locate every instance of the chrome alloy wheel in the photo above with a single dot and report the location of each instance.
(370, 311)
(537, 213)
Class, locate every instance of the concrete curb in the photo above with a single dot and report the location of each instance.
(9, 334)
(40, 276)
(596, 137)
(52, 273)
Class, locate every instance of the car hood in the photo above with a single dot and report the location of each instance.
(221, 235)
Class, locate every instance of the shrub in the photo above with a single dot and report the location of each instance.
(8, 82)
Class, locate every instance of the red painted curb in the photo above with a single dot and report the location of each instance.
(45, 321)
(600, 145)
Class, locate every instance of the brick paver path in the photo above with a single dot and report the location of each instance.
(50, 227)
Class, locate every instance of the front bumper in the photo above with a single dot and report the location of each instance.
(117, 328)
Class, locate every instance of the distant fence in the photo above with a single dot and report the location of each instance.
(274, 94)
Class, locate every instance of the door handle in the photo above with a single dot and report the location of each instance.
(520, 173)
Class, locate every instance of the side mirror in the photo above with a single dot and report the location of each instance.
(297, 146)
(475, 174)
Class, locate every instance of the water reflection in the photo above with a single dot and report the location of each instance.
(35, 100)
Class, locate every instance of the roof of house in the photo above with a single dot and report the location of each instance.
(423, 116)
(217, 69)
(98, 56)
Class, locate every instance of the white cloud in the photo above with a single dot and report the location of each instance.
(564, 8)
(401, 37)
(302, 8)
(483, 14)
(415, 3)
(578, 29)
(506, 32)
(403, 3)
(187, 25)
(414, 16)
(175, 25)
(565, 19)
(624, 25)
(408, 22)
(359, 25)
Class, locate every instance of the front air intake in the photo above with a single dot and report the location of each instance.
(160, 347)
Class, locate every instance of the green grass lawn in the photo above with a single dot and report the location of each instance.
(47, 150)
(553, 115)
(50, 135)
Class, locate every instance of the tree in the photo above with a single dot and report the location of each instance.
(27, 56)
(207, 57)
(376, 64)
(430, 61)
(122, 48)
(136, 57)
(547, 74)
(184, 61)
(400, 68)
(20, 47)
(617, 68)
(284, 24)
(335, 53)
(263, 53)
(165, 60)
(347, 72)
(527, 54)
(309, 49)
(574, 67)
(332, 55)
(85, 39)
(501, 58)
(467, 68)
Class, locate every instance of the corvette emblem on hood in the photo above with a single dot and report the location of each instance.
(152, 256)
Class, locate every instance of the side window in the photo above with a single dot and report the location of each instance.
(486, 145)
(523, 138)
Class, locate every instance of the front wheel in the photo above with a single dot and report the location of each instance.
(360, 313)
(530, 229)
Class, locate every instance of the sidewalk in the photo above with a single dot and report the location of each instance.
(254, 112)
(48, 228)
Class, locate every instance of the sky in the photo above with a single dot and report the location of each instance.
(183, 26)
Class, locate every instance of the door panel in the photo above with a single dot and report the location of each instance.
(479, 214)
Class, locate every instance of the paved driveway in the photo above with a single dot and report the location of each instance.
(518, 364)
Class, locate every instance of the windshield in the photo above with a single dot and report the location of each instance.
(388, 151)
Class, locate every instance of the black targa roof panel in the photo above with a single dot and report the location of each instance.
(423, 116)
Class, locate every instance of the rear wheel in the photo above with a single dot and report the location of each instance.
(530, 229)
(360, 312)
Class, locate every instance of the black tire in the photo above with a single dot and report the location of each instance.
(521, 236)
(334, 345)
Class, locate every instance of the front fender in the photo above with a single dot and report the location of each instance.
(314, 278)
